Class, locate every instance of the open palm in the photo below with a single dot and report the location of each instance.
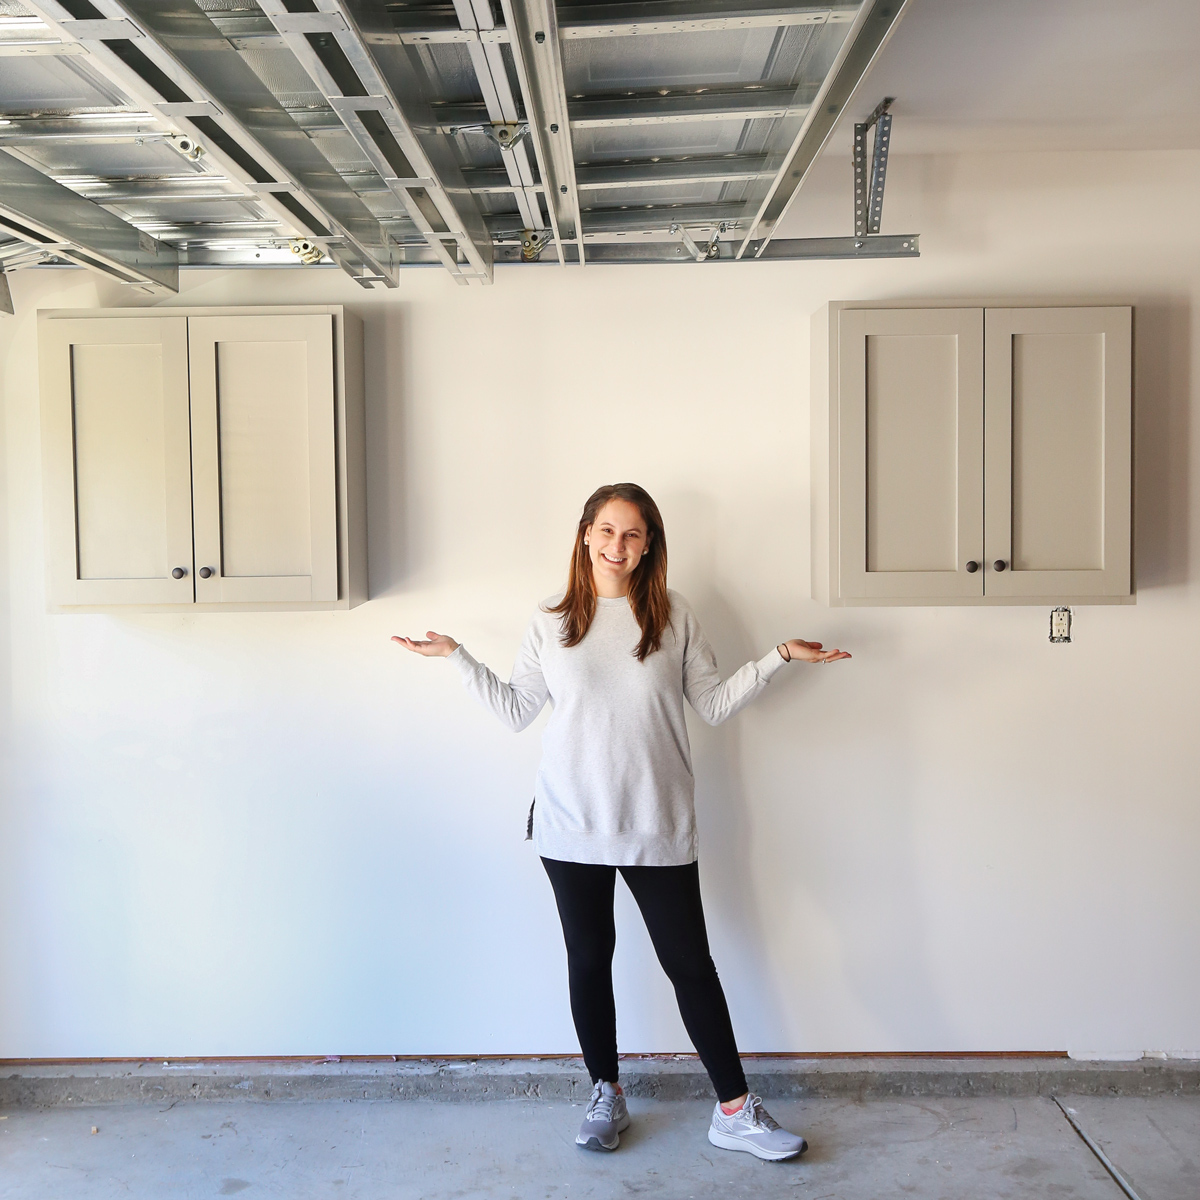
(813, 652)
(439, 645)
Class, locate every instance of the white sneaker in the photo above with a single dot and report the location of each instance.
(753, 1129)
(605, 1120)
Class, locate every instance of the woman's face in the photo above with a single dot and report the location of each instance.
(616, 541)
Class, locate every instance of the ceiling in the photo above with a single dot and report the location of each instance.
(1030, 75)
(137, 136)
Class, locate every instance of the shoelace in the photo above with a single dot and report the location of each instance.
(600, 1106)
(759, 1117)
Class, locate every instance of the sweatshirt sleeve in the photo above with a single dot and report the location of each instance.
(517, 702)
(716, 700)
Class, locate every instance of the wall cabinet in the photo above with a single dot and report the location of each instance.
(203, 459)
(971, 455)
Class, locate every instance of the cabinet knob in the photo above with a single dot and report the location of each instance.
(205, 572)
(999, 564)
(179, 572)
(972, 567)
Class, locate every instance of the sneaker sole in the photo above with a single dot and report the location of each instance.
(594, 1143)
(727, 1142)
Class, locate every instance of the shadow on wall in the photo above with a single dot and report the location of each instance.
(1162, 401)
(387, 356)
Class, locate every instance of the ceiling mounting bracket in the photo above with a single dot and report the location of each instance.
(713, 248)
(533, 243)
(710, 250)
(868, 197)
(698, 252)
(505, 134)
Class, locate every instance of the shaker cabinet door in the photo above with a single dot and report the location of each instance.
(910, 453)
(118, 466)
(264, 458)
(1057, 451)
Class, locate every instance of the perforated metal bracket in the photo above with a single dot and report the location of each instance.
(868, 198)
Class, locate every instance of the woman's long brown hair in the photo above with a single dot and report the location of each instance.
(648, 587)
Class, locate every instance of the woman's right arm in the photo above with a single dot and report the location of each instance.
(515, 703)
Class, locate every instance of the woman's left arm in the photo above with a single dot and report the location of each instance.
(717, 700)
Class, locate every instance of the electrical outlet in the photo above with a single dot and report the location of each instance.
(1060, 624)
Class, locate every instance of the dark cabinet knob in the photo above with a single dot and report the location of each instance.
(205, 572)
(972, 566)
(179, 572)
(999, 564)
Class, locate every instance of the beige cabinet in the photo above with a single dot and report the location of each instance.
(208, 459)
(971, 455)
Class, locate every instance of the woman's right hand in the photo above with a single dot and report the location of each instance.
(439, 645)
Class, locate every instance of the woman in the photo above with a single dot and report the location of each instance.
(617, 654)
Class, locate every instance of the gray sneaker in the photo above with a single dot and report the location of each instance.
(605, 1121)
(753, 1129)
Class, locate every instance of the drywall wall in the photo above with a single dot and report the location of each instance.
(281, 834)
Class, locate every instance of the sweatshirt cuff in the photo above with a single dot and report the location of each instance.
(462, 660)
(770, 663)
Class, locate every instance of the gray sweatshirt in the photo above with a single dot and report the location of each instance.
(615, 783)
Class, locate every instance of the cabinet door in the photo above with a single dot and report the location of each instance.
(910, 435)
(1057, 451)
(264, 458)
(117, 460)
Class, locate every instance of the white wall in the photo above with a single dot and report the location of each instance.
(280, 834)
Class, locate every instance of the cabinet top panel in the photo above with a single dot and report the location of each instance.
(1066, 301)
(223, 310)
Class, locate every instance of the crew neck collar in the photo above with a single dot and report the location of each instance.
(612, 601)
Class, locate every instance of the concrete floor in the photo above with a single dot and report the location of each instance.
(957, 1149)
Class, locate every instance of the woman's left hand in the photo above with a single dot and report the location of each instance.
(795, 650)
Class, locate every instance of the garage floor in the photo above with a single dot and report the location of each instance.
(976, 1148)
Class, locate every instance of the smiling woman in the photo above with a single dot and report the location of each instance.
(616, 654)
(620, 550)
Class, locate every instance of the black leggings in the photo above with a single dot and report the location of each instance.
(669, 898)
